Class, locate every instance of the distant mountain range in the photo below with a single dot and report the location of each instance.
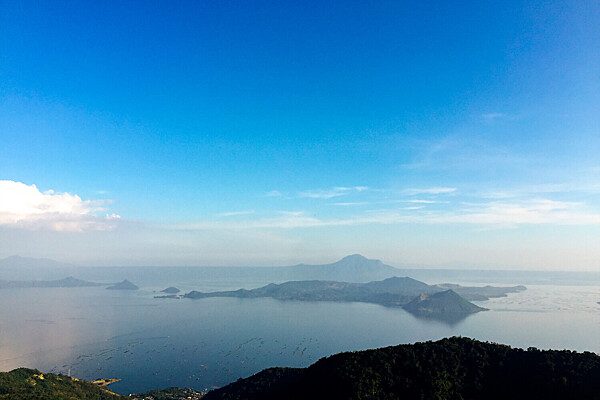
(58, 283)
(29, 262)
(353, 268)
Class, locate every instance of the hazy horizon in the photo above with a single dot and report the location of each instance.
(32, 261)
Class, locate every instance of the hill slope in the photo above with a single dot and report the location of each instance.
(455, 368)
(29, 384)
(446, 303)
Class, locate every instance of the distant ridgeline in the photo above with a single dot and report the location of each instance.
(419, 298)
(454, 368)
(69, 282)
(58, 283)
(343, 280)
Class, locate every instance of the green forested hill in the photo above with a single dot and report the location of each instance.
(29, 384)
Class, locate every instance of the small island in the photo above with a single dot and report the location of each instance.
(447, 305)
(171, 290)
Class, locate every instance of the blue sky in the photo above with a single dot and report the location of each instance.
(259, 132)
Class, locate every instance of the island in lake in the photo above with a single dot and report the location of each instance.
(171, 290)
(447, 306)
(414, 296)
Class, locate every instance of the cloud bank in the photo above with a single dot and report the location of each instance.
(25, 206)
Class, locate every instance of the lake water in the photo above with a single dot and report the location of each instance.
(155, 343)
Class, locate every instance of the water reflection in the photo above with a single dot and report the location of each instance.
(151, 343)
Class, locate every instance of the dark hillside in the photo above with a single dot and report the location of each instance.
(455, 368)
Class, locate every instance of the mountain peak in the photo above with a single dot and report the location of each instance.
(352, 268)
(123, 285)
(357, 258)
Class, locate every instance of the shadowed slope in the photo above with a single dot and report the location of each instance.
(455, 368)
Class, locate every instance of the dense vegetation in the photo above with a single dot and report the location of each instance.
(29, 384)
(455, 368)
(168, 394)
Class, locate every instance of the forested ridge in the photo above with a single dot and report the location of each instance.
(453, 368)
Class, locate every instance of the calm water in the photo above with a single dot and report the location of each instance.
(152, 343)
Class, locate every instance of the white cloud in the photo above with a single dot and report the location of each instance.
(337, 191)
(25, 206)
(431, 191)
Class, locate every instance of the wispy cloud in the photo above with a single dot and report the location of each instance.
(498, 214)
(420, 201)
(461, 152)
(25, 206)
(531, 212)
(235, 213)
(430, 191)
(337, 191)
(543, 190)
